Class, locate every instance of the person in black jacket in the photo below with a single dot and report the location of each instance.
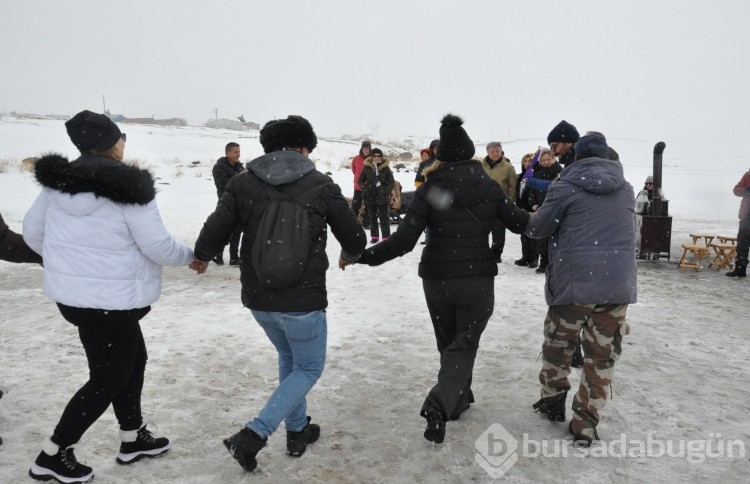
(14, 249)
(460, 204)
(225, 168)
(294, 317)
(377, 183)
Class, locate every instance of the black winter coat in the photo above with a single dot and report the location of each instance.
(460, 204)
(243, 203)
(13, 248)
(223, 171)
(376, 186)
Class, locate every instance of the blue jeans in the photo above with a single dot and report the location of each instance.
(300, 339)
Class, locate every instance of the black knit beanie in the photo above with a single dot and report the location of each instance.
(455, 144)
(564, 132)
(292, 132)
(92, 131)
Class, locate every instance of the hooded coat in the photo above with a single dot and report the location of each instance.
(292, 174)
(589, 213)
(460, 204)
(97, 225)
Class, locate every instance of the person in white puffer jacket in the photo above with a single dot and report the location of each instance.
(98, 228)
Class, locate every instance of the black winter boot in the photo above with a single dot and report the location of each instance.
(435, 431)
(218, 260)
(59, 464)
(521, 262)
(140, 443)
(244, 446)
(296, 442)
(739, 270)
(552, 407)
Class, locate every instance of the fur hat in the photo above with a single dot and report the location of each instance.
(564, 132)
(292, 132)
(366, 144)
(592, 145)
(92, 131)
(454, 144)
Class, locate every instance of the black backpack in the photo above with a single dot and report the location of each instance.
(282, 243)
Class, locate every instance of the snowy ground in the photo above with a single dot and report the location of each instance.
(682, 376)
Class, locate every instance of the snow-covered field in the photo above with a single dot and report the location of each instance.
(682, 381)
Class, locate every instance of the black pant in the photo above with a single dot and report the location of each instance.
(357, 202)
(743, 242)
(529, 249)
(379, 212)
(498, 239)
(459, 309)
(116, 354)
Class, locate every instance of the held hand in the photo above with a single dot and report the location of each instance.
(199, 266)
(343, 263)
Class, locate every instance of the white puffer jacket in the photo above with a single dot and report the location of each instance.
(99, 231)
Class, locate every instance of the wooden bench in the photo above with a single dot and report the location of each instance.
(698, 252)
(727, 239)
(725, 254)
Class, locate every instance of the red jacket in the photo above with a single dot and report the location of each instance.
(742, 189)
(358, 164)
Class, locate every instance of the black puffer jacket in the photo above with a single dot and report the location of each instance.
(243, 203)
(377, 185)
(460, 204)
(549, 173)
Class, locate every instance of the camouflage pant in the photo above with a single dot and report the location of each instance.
(601, 345)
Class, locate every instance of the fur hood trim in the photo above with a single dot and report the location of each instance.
(104, 177)
(383, 164)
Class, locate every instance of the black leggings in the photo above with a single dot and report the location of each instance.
(459, 309)
(116, 354)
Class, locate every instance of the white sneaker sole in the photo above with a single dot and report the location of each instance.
(126, 459)
(42, 474)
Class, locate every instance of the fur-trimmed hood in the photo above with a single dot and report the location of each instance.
(100, 176)
(383, 164)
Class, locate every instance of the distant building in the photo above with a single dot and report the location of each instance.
(152, 120)
(231, 124)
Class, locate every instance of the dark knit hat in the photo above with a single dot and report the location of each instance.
(292, 132)
(455, 144)
(92, 132)
(563, 133)
(592, 145)
(376, 151)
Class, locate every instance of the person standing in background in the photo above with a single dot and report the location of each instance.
(742, 189)
(225, 168)
(358, 164)
(499, 168)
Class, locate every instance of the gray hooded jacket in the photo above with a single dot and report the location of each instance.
(589, 212)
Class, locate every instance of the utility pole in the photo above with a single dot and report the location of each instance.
(216, 114)
(104, 103)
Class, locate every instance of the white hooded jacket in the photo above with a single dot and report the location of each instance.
(99, 231)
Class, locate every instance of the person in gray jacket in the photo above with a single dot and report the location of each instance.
(591, 280)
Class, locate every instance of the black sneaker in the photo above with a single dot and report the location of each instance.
(435, 430)
(552, 407)
(244, 446)
(296, 442)
(521, 262)
(61, 467)
(235, 262)
(580, 440)
(218, 260)
(533, 264)
(144, 445)
(577, 361)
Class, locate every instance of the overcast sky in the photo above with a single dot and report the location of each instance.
(666, 69)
